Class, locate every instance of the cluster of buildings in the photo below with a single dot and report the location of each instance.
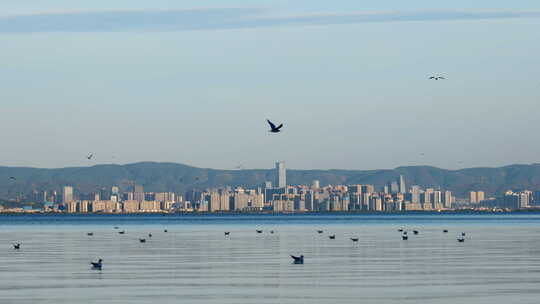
(277, 196)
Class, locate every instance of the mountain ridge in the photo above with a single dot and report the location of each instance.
(177, 177)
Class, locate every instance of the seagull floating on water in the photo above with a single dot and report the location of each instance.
(142, 240)
(122, 232)
(17, 246)
(319, 231)
(227, 232)
(97, 265)
(445, 231)
(90, 234)
(165, 230)
(400, 230)
(415, 231)
(461, 239)
(298, 260)
(273, 128)
(332, 237)
(405, 237)
(354, 239)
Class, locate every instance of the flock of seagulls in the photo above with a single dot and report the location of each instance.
(296, 259)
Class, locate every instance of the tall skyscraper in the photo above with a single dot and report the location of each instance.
(67, 194)
(138, 193)
(401, 182)
(472, 197)
(281, 174)
(480, 196)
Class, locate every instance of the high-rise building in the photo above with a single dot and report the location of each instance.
(138, 193)
(473, 197)
(67, 194)
(401, 184)
(480, 196)
(394, 187)
(281, 174)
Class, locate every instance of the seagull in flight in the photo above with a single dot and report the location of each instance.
(273, 127)
(437, 77)
(90, 156)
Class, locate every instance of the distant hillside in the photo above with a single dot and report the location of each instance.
(179, 178)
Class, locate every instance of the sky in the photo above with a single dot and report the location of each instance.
(194, 81)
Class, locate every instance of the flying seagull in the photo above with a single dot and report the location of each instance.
(437, 77)
(298, 259)
(273, 128)
(355, 239)
(90, 156)
(17, 246)
(97, 265)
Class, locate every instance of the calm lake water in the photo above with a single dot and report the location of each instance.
(194, 262)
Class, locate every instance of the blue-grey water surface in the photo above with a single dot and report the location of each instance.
(194, 262)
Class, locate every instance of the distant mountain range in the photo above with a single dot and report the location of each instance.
(157, 177)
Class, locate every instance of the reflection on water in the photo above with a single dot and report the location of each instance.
(195, 263)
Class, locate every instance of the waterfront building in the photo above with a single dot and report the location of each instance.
(281, 174)
(67, 194)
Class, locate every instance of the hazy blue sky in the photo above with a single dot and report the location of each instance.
(193, 82)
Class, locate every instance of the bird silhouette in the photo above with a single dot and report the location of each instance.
(273, 128)
(142, 240)
(405, 237)
(415, 231)
(271, 231)
(227, 233)
(463, 234)
(149, 235)
(461, 239)
(400, 230)
(122, 232)
(89, 157)
(445, 231)
(319, 231)
(165, 230)
(17, 246)
(12, 178)
(97, 265)
(437, 77)
(354, 239)
(298, 259)
(332, 237)
(259, 231)
(90, 234)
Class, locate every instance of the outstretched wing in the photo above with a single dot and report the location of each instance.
(280, 126)
(432, 77)
(273, 126)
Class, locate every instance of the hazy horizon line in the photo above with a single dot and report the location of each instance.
(271, 168)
